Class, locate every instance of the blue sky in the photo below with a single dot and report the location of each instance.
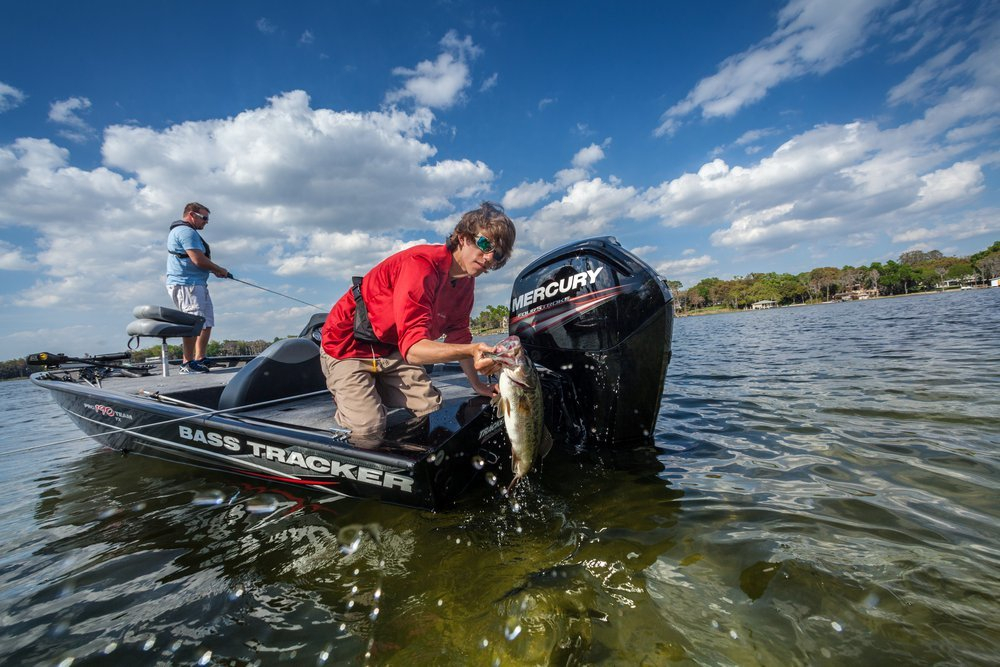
(713, 139)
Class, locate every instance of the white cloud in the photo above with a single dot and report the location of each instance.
(265, 26)
(287, 184)
(66, 112)
(438, 84)
(587, 157)
(13, 259)
(10, 97)
(490, 83)
(587, 209)
(307, 37)
(527, 194)
(683, 268)
(812, 37)
(975, 223)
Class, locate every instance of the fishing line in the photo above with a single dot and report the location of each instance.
(133, 429)
(232, 277)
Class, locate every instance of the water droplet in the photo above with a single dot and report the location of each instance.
(205, 658)
(512, 633)
(478, 462)
(732, 633)
(374, 614)
(440, 602)
(491, 479)
(208, 497)
(110, 648)
(264, 504)
(837, 626)
(354, 590)
(350, 539)
(236, 595)
(484, 642)
(65, 662)
(377, 594)
(149, 644)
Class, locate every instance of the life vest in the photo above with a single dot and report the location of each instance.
(184, 255)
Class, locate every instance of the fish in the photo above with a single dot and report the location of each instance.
(520, 404)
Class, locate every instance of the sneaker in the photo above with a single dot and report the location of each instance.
(184, 370)
(196, 367)
(205, 362)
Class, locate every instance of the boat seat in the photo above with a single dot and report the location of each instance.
(287, 368)
(163, 323)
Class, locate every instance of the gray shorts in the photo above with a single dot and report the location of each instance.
(193, 299)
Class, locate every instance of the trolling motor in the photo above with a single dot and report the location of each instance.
(600, 320)
(49, 360)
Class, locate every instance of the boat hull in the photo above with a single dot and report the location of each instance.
(426, 464)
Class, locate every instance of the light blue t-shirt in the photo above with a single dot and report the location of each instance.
(183, 271)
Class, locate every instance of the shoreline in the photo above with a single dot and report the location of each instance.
(723, 311)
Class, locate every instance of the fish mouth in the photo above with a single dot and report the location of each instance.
(503, 360)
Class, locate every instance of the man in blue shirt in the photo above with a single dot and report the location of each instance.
(188, 265)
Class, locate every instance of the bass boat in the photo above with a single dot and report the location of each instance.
(595, 319)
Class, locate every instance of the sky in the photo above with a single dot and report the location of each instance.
(711, 139)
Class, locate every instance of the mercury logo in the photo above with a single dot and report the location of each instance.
(568, 284)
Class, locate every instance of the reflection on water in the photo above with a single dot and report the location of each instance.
(821, 490)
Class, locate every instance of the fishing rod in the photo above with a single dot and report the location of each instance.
(132, 429)
(232, 277)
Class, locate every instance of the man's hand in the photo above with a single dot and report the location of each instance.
(484, 365)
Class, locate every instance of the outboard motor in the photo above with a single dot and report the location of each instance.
(600, 320)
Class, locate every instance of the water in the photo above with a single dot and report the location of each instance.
(823, 491)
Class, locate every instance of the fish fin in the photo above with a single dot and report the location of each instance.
(546, 444)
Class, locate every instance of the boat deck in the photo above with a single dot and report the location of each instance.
(312, 410)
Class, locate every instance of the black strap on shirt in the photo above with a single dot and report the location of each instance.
(184, 255)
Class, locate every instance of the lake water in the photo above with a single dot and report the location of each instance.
(823, 490)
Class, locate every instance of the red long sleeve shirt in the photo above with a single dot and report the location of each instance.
(409, 298)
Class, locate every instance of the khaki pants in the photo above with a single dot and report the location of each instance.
(363, 393)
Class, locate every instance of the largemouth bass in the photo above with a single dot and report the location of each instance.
(520, 405)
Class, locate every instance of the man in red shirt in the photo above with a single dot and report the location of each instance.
(413, 298)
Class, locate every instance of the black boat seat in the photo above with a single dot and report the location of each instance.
(289, 367)
(160, 322)
(163, 323)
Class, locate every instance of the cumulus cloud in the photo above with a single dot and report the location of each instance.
(288, 185)
(438, 84)
(528, 194)
(10, 97)
(812, 37)
(265, 26)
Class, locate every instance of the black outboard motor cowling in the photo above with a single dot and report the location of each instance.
(601, 319)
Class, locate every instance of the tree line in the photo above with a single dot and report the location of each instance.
(916, 271)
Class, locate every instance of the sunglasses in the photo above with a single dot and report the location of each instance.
(486, 245)
(203, 217)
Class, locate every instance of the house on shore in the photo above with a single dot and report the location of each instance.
(855, 294)
(761, 305)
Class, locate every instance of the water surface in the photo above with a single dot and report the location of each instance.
(821, 490)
